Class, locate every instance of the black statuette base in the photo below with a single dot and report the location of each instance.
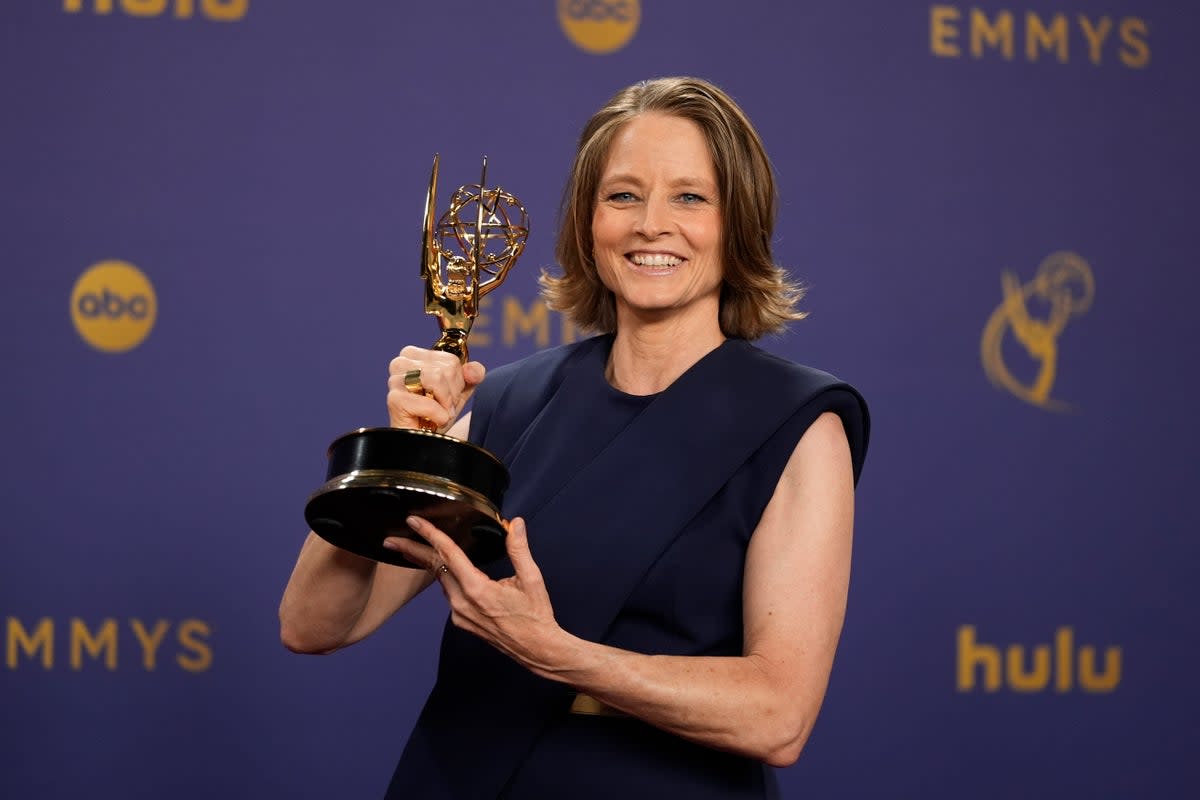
(378, 477)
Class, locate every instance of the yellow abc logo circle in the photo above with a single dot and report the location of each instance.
(113, 306)
(599, 26)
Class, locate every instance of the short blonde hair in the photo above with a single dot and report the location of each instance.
(757, 296)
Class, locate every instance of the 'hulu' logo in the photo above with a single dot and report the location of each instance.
(1022, 676)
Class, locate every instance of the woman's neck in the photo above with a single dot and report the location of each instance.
(647, 357)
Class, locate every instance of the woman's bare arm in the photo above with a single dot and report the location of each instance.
(335, 598)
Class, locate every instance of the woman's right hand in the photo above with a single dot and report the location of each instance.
(448, 386)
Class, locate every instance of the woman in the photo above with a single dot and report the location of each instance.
(681, 504)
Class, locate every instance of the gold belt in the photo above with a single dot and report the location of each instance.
(586, 704)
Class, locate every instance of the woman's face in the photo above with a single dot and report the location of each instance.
(656, 229)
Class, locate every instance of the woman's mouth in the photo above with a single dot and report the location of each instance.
(654, 263)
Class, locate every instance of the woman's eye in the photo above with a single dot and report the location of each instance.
(691, 197)
(620, 197)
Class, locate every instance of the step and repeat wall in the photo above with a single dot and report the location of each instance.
(211, 214)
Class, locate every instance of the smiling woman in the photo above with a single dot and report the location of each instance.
(681, 505)
(657, 226)
(757, 296)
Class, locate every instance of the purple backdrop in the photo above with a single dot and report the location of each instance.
(1021, 618)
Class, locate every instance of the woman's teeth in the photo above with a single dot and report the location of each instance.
(657, 260)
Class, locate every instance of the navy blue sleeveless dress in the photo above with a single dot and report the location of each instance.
(639, 511)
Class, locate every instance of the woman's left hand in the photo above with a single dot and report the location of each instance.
(514, 614)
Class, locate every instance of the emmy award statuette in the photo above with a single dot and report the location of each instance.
(379, 476)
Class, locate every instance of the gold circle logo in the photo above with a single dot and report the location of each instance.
(599, 26)
(113, 306)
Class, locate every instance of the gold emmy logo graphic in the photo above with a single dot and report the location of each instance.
(1035, 315)
(599, 26)
(113, 306)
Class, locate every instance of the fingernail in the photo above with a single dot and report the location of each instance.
(391, 544)
(413, 522)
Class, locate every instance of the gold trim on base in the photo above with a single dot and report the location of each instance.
(421, 482)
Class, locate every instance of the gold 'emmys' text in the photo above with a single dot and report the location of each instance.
(48, 643)
(957, 32)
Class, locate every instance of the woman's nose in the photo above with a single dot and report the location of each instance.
(654, 220)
